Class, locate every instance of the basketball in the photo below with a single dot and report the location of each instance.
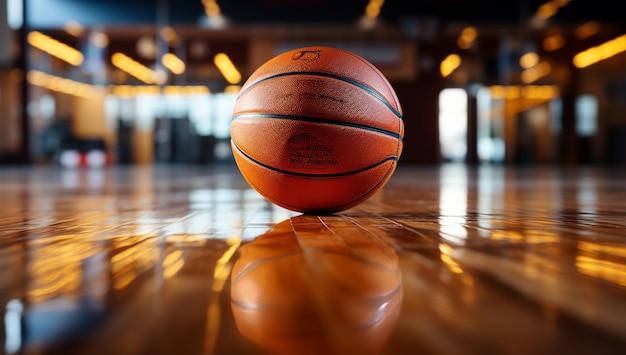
(317, 130)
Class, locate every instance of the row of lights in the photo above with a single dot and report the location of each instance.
(176, 65)
(60, 84)
(467, 37)
(128, 91)
(531, 73)
(149, 76)
(124, 62)
(465, 40)
(584, 31)
(537, 92)
(84, 90)
(533, 69)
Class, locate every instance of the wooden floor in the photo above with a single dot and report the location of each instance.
(189, 260)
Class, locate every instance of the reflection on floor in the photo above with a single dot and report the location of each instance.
(190, 260)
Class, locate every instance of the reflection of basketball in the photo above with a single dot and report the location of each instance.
(317, 130)
(310, 293)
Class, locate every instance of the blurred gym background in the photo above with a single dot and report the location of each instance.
(111, 82)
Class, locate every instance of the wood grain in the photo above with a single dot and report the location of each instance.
(443, 260)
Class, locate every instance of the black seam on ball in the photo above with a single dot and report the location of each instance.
(319, 120)
(366, 88)
(292, 173)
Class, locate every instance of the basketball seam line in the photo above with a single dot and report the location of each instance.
(380, 75)
(311, 119)
(347, 173)
(364, 87)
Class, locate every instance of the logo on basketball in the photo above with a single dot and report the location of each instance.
(307, 56)
(306, 150)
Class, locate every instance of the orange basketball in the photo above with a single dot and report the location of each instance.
(317, 130)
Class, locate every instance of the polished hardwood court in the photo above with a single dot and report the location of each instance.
(189, 260)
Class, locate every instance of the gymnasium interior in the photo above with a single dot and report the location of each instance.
(129, 227)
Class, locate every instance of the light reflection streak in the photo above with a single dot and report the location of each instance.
(453, 203)
(604, 269)
(525, 236)
(220, 275)
(535, 265)
(127, 264)
(599, 248)
(452, 265)
(172, 263)
(490, 196)
(587, 195)
(123, 280)
(56, 268)
(468, 293)
(222, 269)
(188, 239)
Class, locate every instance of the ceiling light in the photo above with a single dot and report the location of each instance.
(173, 63)
(227, 68)
(600, 52)
(55, 48)
(449, 64)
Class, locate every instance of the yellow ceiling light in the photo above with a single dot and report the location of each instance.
(211, 8)
(587, 30)
(214, 17)
(371, 13)
(55, 48)
(529, 60)
(134, 68)
(467, 37)
(550, 9)
(449, 64)
(372, 10)
(601, 52)
(227, 68)
(173, 63)
(537, 71)
(547, 10)
(553, 43)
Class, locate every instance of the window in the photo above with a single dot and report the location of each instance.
(586, 115)
(453, 124)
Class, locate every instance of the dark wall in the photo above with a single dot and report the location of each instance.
(419, 99)
(421, 128)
